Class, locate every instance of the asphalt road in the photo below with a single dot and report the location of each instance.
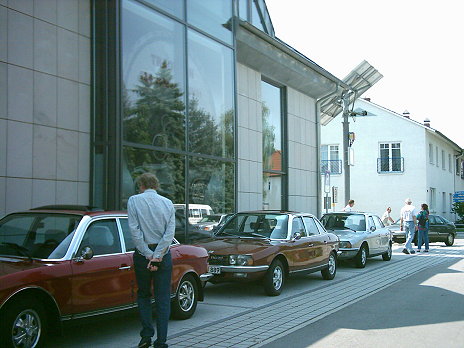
(423, 309)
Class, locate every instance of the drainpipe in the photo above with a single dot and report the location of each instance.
(318, 152)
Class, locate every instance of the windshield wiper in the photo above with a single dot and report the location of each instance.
(255, 235)
(19, 248)
(225, 233)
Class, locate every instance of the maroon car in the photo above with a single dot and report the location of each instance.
(60, 263)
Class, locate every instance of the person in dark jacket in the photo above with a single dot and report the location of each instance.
(423, 228)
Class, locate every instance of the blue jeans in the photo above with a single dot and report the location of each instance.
(423, 237)
(409, 231)
(161, 280)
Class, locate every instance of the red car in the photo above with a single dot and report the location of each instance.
(61, 262)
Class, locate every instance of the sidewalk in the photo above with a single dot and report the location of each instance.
(284, 319)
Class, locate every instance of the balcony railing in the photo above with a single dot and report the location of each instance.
(390, 165)
(333, 166)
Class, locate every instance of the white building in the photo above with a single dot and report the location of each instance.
(395, 157)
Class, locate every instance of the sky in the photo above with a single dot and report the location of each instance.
(418, 47)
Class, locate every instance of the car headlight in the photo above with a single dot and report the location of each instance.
(208, 228)
(240, 260)
(345, 245)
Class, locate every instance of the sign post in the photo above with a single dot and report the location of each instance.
(326, 190)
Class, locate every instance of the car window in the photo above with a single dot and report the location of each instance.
(297, 226)
(439, 221)
(432, 220)
(311, 227)
(378, 223)
(321, 228)
(341, 221)
(103, 237)
(370, 223)
(127, 235)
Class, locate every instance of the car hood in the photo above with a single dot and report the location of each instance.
(347, 234)
(225, 246)
(9, 265)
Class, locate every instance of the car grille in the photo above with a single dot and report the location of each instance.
(218, 259)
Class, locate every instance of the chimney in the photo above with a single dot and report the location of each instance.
(406, 113)
(427, 122)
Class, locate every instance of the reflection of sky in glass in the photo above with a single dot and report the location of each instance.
(149, 39)
(175, 7)
(210, 75)
(271, 98)
(212, 16)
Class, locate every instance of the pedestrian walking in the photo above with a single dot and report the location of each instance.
(152, 227)
(423, 228)
(386, 218)
(408, 225)
(349, 206)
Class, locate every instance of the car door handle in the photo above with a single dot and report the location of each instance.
(124, 267)
(325, 242)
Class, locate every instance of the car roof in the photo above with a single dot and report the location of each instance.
(273, 212)
(72, 209)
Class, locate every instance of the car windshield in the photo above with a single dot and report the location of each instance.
(255, 225)
(355, 222)
(37, 235)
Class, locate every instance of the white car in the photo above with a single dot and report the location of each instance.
(362, 235)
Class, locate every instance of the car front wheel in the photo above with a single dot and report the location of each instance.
(386, 256)
(24, 324)
(449, 240)
(329, 272)
(361, 258)
(274, 279)
(185, 302)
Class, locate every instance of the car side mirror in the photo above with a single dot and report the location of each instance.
(297, 235)
(87, 253)
(372, 228)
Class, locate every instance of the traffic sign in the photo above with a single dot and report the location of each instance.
(458, 196)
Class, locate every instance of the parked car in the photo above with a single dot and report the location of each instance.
(269, 246)
(440, 230)
(60, 262)
(192, 234)
(210, 222)
(362, 235)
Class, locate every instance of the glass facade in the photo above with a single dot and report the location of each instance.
(177, 102)
(272, 146)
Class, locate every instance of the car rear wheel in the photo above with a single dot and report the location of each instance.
(329, 272)
(388, 254)
(24, 324)
(274, 279)
(185, 302)
(449, 240)
(361, 257)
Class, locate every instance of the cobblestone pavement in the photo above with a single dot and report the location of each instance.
(258, 326)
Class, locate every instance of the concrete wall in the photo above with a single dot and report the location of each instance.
(45, 75)
(302, 152)
(302, 145)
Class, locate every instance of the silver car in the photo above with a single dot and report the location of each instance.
(362, 235)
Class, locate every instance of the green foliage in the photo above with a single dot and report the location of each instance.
(458, 208)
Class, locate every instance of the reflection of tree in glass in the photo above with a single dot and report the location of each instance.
(158, 115)
(268, 138)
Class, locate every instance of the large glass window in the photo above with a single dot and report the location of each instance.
(168, 167)
(272, 146)
(211, 97)
(153, 78)
(212, 16)
(211, 182)
(174, 7)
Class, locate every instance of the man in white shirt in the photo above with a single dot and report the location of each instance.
(349, 206)
(386, 218)
(408, 221)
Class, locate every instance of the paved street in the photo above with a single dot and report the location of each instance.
(375, 306)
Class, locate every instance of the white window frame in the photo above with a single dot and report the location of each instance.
(443, 162)
(390, 149)
(450, 163)
(433, 199)
(431, 153)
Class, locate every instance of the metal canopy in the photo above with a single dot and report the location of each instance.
(360, 79)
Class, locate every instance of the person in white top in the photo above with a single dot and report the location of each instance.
(386, 218)
(408, 222)
(349, 206)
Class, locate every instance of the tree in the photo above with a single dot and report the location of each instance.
(458, 208)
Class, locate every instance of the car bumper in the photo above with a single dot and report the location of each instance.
(347, 253)
(241, 269)
(206, 276)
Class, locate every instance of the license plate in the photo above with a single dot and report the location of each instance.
(214, 269)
